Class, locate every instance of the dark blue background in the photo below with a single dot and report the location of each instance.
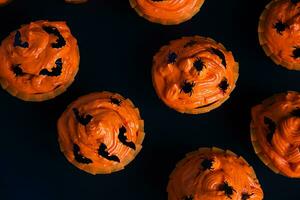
(117, 48)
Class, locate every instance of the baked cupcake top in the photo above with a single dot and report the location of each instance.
(101, 132)
(276, 130)
(213, 174)
(39, 60)
(194, 74)
(280, 33)
(167, 12)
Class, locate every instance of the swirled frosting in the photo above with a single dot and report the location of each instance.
(279, 32)
(39, 60)
(194, 74)
(213, 174)
(101, 132)
(275, 133)
(167, 11)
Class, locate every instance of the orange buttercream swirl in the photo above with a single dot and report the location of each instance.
(276, 132)
(101, 132)
(39, 59)
(279, 32)
(167, 11)
(194, 74)
(213, 174)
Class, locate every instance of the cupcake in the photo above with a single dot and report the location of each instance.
(194, 74)
(211, 174)
(76, 1)
(167, 12)
(275, 133)
(101, 133)
(279, 33)
(38, 61)
(4, 2)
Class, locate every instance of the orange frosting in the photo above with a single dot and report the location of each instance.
(39, 60)
(276, 132)
(167, 11)
(279, 32)
(194, 74)
(213, 174)
(2, 2)
(101, 132)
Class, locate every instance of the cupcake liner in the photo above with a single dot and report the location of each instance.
(264, 43)
(134, 5)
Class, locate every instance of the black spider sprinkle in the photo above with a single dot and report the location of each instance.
(280, 27)
(271, 126)
(295, 1)
(84, 120)
(296, 112)
(122, 137)
(17, 70)
(296, 52)
(115, 101)
(227, 189)
(199, 65)
(78, 157)
(190, 43)
(246, 196)
(187, 87)
(224, 85)
(188, 198)
(102, 151)
(207, 164)
(55, 71)
(60, 42)
(220, 54)
(172, 58)
(18, 42)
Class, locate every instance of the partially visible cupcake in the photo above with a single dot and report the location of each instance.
(167, 12)
(275, 133)
(76, 1)
(213, 174)
(101, 132)
(194, 74)
(39, 61)
(4, 2)
(279, 32)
